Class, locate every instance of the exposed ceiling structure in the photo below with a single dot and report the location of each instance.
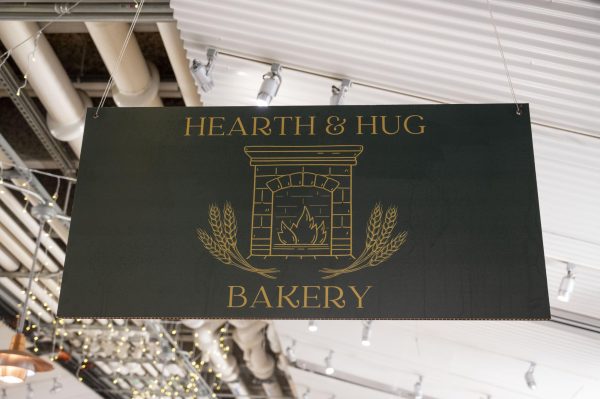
(407, 52)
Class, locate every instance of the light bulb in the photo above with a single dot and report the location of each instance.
(338, 94)
(567, 285)
(203, 72)
(312, 326)
(418, 390)
(269, 86)
(329, 370)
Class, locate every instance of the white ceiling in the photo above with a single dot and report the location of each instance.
(42, 382)
(422, 51)
(459, 360)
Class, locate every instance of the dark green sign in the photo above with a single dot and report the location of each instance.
(396, 211)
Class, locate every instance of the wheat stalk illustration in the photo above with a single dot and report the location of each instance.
(379, 244)
(222, 245)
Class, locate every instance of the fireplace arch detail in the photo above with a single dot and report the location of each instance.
(302, 200)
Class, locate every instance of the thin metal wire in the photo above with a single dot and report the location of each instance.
(39, 32)
(119, 59)
(38, 243)
(510, 85)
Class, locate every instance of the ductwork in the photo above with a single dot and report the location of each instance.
(249, 335)
(65, 106)
(136, 81)
(225, 365)
(174, 46)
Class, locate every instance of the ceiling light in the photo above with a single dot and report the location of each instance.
(338, 94)
(306, 394)
(269, 86)
(312, 326)
(29, 391)
(291, 352)
(329, 370)
(529, 377)
(203, 72)
(366, 333)
(418, 392)
(567, 285)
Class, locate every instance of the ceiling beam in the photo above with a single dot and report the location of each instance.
(152, 11)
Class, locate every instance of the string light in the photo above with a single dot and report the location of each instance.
(5, 57)
(30, 59)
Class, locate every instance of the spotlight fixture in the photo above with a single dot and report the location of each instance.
(203, 72)
(529, 377)
(567, 285)
(306, 394)
(291, 352)
(418, 392)
(269, 86)
(56, 386)
(338, 94)
(329, 370)
(312, 326)
(29, 391)
(366, 333)
(16, 364)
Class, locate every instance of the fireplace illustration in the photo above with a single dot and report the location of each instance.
(302, 204)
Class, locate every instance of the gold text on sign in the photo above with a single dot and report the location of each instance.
(311, 125)
(298, 297)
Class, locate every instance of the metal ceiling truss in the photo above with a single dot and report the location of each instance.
(87, 11)
(36, 120)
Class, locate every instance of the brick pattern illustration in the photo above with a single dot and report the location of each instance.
(302, 202)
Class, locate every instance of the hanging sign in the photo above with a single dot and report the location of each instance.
(392, 212)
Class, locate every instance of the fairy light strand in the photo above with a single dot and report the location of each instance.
(4, 57)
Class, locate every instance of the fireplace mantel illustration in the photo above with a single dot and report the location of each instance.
(302, 201)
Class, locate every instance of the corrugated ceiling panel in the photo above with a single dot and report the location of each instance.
(439, 49)
(418, 51)
(458, 359)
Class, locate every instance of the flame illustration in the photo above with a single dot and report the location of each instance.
(303, 231)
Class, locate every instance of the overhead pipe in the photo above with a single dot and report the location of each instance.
(249, 335)
(87, 11)
(174, 46)
(20, 295)
(17, 232)
(136, 81)
(9, 263)
(30, 223)
(227, 366)
(65, 106)
(24, 256)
